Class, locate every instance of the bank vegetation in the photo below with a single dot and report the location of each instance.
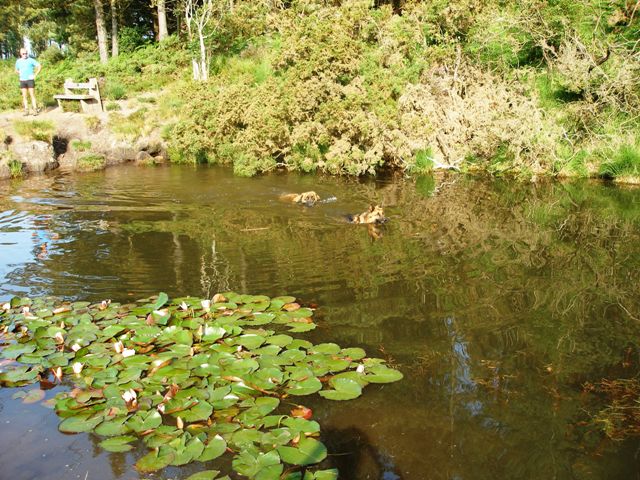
(355, 87)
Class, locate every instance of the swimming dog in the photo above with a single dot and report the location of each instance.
(375, 214)
(306, 198)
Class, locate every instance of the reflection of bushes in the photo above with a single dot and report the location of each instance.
(621, 418)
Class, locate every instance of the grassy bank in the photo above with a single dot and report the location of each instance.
(512, 87)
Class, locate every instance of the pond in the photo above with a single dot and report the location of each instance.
(498, 301)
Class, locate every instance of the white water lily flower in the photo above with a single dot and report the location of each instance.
(161, 408)
(77, 367)
(25, 310)
(59, 337)
(184, 306)
(75, 347)
(57, 372)
(6, 306)
(118, 347)
(206, 304)
(128, 352)
(130, 395)
(105, 303)
(161, 313)
(360, 369)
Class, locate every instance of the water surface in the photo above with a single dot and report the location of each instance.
(497, 301)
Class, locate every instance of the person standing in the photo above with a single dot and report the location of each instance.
(28, 69)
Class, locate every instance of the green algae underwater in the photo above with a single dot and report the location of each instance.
(194, 379)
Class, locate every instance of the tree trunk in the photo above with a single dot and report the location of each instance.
(204, 64)
(102, 32)
(162, 21)
(115, 49)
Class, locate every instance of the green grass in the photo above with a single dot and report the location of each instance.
(93, 123)
(91, 162)
(624, 165)
(15, 168)
(422, 162)
(130, 126)
(112, 107)
(115, 91)
(41, 130)
(81, 145)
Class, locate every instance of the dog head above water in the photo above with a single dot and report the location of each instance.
(375, 214)
(306, 198)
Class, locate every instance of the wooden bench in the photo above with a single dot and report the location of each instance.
(89, 101)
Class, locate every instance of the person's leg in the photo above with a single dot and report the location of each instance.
(25, 99)
(32, 93)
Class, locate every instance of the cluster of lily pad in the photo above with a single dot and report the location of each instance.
(192, 378)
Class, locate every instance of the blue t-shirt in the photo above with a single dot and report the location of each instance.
(27, 68)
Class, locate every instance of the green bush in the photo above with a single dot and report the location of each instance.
(51, 55)
(132, 38)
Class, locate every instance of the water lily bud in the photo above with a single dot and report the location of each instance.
(206, 305)
(77, 367)
(179, 423)
(25, 310)
(59, 337)
(128, 352)
(217, 298)
(118, 347)
(184, 306)
(57, 372)
(62, 325)
(6, 306)
(75, 347)
(360, 369)
(161, 408)
(104, 304)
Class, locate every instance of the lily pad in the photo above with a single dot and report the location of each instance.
(214, 447)
(382, 374)
(84, 422)
(308, 452)
(204, 475)
(118, 444)
(345, 389)
(154, 461)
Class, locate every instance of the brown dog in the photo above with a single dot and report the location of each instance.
(375, 214)
(306, 198)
